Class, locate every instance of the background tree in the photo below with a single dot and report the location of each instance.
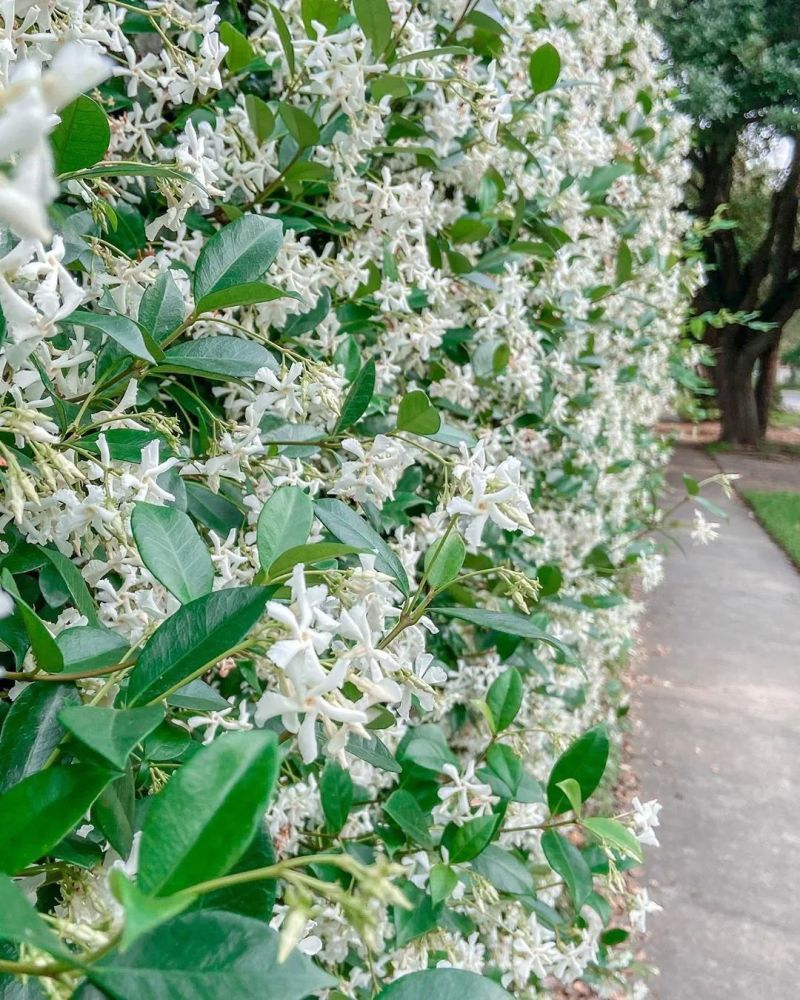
(739, 64)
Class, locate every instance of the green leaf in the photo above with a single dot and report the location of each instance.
(113, 812)
(373, 751)
(198, 697)
(504, 698)
(545, 68)
(426, 747)
(20, 923)
(90, 647)
(505, 771)
(212, 509)
(308, 555)
(248, 294)
(443, 560)
(567, 861)
(336, 793)
(251, 899)
(31, 730)
(414, 920)
(285, 37)
(260, 116)
(303, 130)
(358, 397)
(82, 136)
(624, 263)
(324, 12)
(441, 882)
(350, 528)
(442, 50)
(110, 734)
(240, 51)
(130, 168)
(284, 523)
(584, 761)
(172, 550)
(40, 810)
(75, 583)
(121, 330)
(507, 622)
(45, 651)
(612, 832)
(205, 955)
(238, 254)
(218, 358)
(142, 912)
(404, 810)
(375, 20)
(465, 842)
(443, 984)
(196, 637)
(417, 415)
(504, 870)
(202, 821)
(162, 307)
(572, 790)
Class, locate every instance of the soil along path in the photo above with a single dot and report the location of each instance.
(718, 743)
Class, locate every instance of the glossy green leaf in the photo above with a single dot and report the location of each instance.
(358, 397)
(218, 358)
(375, 20)
(90, 647)
(241, 295)
(121, 330)
(545, 68)
(324, 12)
(508, 622)
(142, 913)
(308, 555)
(238, 254)
(349, 527)
(336, 794)
(193, 639)
(441, 882)
(172, 550)
(504, 870)
(40, 810)
(203, 820)
(612, 832)
(205, 955)
(443, 560)
(404, 810)
(504, 771)
(465, 842)
(109, 734)
(284, 523)
(240, 51)
(567, 861)
(82, 136)
(251, 899)
(417, 415)
(74, 582)
(303, 130)
(504, 699)
(31, 730)
(260, 116)
(162, 307)
(45, 651)
(285, 37)
(585, 761)
(443, 984)
(114, 812)
(20, 923)
(425, 746)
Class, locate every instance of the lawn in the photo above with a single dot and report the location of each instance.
(779, 513)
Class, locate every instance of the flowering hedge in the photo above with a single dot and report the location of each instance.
(335, 334)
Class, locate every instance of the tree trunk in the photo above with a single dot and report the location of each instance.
(765, 385)
(737, 398)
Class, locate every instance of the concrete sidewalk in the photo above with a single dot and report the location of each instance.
(718, 743)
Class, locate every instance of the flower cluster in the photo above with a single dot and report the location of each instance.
(335, 337)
